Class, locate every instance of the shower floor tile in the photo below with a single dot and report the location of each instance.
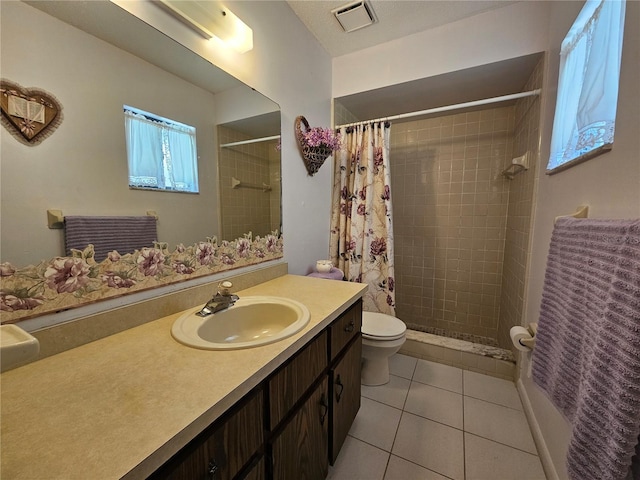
(435, 425)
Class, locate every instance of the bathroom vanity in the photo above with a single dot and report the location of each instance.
(139, 404)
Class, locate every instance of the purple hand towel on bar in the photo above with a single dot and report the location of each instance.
(587, 353)
(106, 234)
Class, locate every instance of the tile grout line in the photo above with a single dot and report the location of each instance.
(464, 395)
(503, 444)
(464, 440)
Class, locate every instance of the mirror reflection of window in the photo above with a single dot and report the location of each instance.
(590, 57)
(161, 152)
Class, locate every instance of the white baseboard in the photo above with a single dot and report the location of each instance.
(543, 452)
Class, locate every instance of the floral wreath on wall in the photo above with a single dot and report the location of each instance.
(68, 282)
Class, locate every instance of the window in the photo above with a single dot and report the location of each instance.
(161, 153)
(585, 117)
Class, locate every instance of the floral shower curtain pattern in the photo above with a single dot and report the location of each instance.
(361, 226)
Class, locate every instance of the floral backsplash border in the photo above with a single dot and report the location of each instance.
(69, 282)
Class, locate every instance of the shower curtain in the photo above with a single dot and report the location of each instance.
(361, 227)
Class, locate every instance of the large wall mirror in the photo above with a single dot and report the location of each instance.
(94, 58)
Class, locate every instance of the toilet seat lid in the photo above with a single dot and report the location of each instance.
(380, 326)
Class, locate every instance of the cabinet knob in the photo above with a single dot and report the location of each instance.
(339, 386)
(212, 469)
(324, 408)
(349, 328)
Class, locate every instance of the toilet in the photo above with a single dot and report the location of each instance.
(382, 336)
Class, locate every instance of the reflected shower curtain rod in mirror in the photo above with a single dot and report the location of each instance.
(253, 140)
(446, 108)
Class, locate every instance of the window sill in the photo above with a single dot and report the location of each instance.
(586, 156)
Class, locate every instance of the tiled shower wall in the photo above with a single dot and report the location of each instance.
(450, 205)
(249, 207)
(521, 195)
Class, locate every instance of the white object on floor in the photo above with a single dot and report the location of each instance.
(382, 336)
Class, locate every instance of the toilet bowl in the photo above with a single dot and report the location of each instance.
(382, 336)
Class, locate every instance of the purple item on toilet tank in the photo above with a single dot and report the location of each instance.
(333, 274)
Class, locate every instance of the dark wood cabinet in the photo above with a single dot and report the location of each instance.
(300, 450)
(255, 471)
(344, 329)
(293, 424)
(289, 383)
(222, 450)
(345, 395)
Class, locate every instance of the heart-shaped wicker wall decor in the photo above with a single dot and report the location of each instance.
(29, 114)
(313, 157)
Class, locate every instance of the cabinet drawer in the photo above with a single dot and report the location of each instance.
(288, 385)
(224, 447)
(345, 328)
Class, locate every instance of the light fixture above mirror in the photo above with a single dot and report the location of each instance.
(211, 20)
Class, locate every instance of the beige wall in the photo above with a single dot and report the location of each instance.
(82, 168)
(609, 184)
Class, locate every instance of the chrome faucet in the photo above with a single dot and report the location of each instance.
(222, 300)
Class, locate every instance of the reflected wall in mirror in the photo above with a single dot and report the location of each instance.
(249, 173)
(82, 168)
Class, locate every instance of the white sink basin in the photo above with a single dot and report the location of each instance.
(16, 347)
(251, 322)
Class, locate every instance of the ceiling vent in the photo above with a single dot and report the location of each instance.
(355, 15)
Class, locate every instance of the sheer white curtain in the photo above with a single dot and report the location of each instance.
(183, 174)
(144, 151)
(161, 154)
(588, 82)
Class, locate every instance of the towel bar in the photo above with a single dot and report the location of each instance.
(581, 212)
(235, 183)
(55, 218)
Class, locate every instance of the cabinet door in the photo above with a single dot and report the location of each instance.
(300, 451)
(291, 382)
(257, 472)
(345, 393)
(221, 451)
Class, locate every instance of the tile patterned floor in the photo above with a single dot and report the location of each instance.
(438, 422)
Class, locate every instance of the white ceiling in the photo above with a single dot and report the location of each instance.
(396, 19)
(399, 18)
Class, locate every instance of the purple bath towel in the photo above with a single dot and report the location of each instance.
(106, 234)
(587, 353)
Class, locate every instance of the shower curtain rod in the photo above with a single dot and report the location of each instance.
(446, 108)
(253, 140)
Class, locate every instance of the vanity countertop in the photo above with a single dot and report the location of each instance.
(123, 405)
